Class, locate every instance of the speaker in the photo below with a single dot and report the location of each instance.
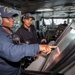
(0, 19)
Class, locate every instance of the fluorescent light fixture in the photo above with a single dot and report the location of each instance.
(44, 9)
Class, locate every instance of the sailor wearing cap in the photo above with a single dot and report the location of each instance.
(11, 53)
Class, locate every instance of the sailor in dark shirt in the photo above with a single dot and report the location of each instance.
(27, 36)
(27, 32)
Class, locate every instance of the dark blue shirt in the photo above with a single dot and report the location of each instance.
(26, 36)
(11, 53)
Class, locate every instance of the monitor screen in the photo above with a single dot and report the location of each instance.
(62, 44)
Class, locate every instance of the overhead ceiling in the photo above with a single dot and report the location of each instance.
(62, 7)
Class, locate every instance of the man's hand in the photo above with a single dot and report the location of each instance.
(45, 48)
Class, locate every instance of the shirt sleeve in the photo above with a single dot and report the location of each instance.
(14, 52)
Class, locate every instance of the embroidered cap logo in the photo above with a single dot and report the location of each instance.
(8, 10)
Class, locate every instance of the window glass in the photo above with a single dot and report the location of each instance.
(70, 20)
(59, 21)
(47, 21)
(41, 22)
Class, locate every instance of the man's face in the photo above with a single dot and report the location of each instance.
(8, 22)
(27, 22)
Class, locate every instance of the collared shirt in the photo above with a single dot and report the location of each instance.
(28, 37)
(11, 53)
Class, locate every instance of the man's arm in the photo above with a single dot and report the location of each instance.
(15, 53)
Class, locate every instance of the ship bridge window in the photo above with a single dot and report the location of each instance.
(59, 21)
(48, 21)
(70, 20)
(41, 22)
